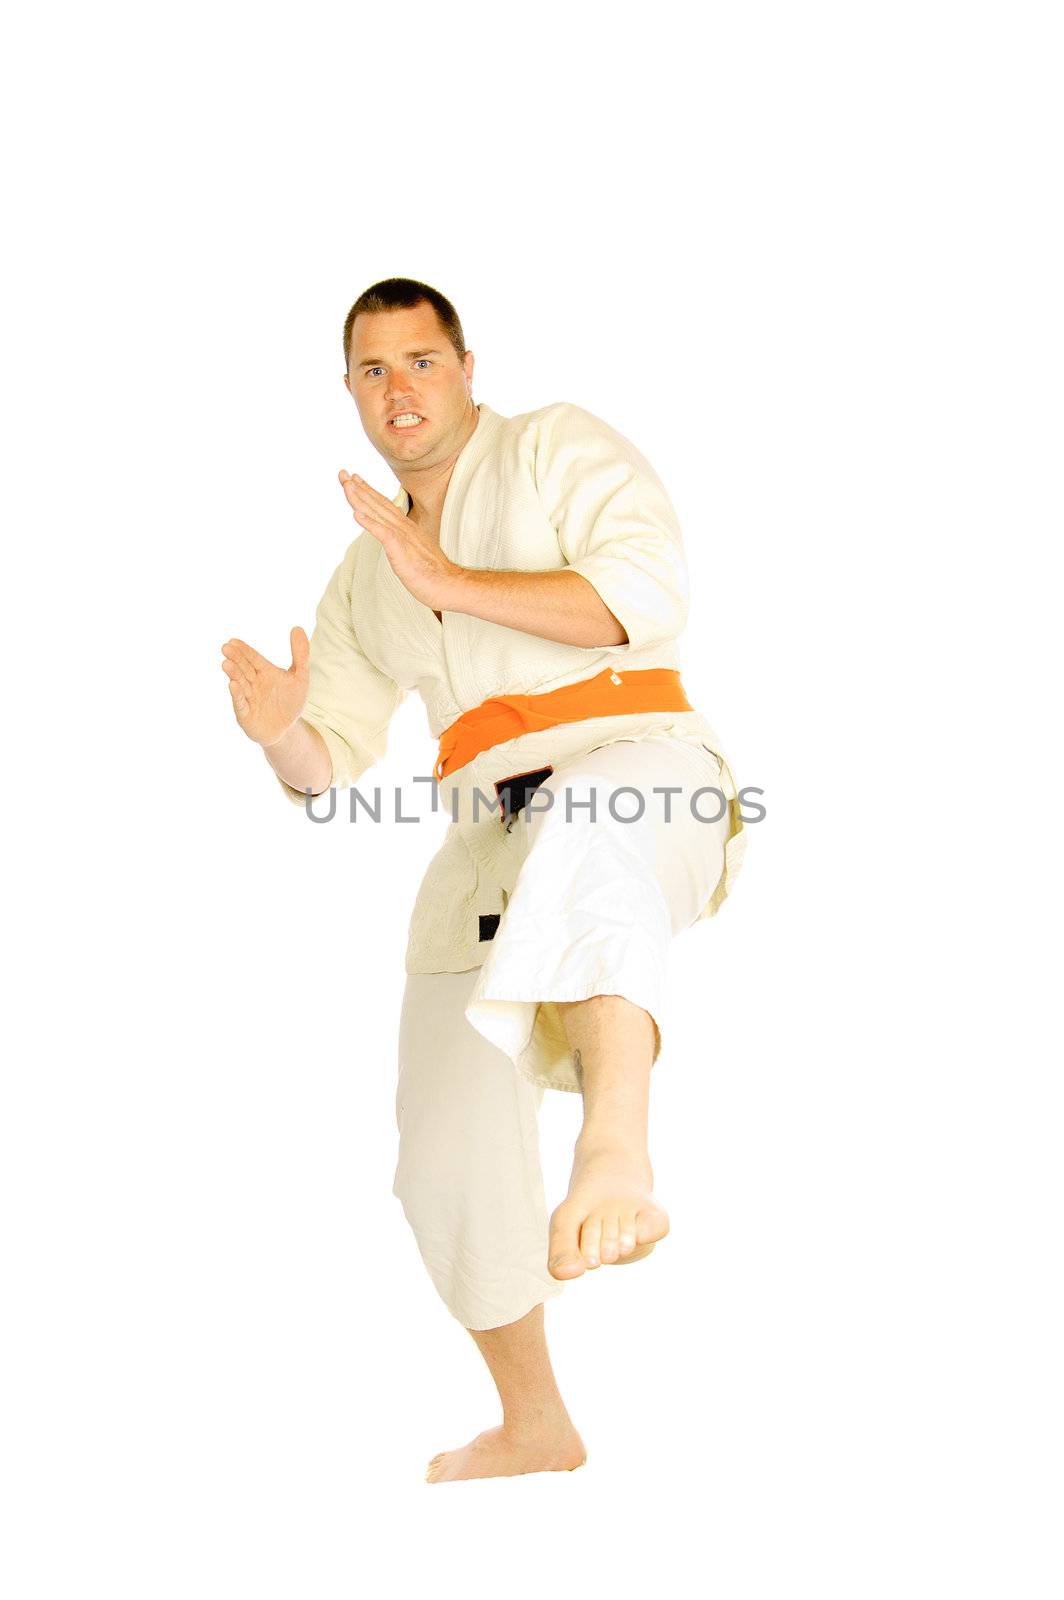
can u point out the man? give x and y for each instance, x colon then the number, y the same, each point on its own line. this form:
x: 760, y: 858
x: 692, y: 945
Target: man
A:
x: 529, y: 581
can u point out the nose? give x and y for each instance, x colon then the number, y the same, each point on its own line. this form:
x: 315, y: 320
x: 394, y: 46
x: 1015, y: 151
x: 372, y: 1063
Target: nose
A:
x: 398, y: 388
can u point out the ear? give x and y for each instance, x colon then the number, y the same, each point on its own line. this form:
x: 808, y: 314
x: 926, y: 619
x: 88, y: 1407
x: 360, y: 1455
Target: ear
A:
x: 467, y: 368
x: 347, y: 386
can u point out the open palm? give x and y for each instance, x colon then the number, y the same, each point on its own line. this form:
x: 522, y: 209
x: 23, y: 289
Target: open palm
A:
x: 267, y: 699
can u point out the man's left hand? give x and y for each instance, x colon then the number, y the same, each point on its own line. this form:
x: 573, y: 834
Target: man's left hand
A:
x: 414, y: 557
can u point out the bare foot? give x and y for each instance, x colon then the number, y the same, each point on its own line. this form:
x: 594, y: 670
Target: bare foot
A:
x: 500, y: 1453
x: 609, y: 1216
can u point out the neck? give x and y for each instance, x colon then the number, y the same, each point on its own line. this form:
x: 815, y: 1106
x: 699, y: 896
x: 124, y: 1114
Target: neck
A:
x: 427, y: 486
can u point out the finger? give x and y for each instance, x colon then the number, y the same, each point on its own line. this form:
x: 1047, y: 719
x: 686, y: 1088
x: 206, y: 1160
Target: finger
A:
x: 367, y: 516
x: 240, y: 679
x: 235, y: 675
x: 240, y: 699
x: 366, y: 519
x: 300, y: 650
x: 361, y: 485
x: 379, y: 501
x: 240, y: 647
x: 364, y: 513
x: 359, y: 493
x: 360, y: 501
x: 246, y: 657
x: 234, y: 651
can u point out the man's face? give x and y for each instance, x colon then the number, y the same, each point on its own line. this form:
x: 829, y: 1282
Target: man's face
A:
x: 401, y: 365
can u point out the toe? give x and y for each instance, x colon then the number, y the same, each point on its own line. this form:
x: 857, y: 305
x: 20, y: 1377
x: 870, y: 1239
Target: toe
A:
x: 591, y: 1239
x: 610, y: 1245
x: 651, y: 1224
x: 626, y: 1234
x: 563, y: 1254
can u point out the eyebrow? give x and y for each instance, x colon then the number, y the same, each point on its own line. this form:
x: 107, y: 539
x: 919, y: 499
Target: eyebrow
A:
x: 412, y: 355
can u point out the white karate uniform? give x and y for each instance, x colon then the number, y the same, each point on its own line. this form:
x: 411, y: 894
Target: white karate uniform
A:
x: 538, y: 909
x: 593, y: 909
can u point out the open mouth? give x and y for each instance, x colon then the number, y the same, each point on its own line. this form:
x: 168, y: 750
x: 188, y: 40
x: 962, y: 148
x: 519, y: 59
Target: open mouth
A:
x: 406, y: 422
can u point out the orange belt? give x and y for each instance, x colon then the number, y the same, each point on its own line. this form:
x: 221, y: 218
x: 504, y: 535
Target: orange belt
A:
x: 608, y: 694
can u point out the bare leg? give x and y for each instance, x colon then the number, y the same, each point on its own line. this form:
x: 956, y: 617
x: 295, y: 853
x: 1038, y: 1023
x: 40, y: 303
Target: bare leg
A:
x: 609, y: 1214
x: 537, y: 1434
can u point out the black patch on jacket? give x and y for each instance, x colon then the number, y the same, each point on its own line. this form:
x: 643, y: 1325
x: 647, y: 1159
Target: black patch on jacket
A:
x: 515, y: 790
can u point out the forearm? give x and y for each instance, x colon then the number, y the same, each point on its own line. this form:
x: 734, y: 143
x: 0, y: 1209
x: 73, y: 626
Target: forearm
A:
x: 301, y: 759
x: 560, y: 605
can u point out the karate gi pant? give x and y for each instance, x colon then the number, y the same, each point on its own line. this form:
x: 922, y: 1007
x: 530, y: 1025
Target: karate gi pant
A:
x: 597, y: 900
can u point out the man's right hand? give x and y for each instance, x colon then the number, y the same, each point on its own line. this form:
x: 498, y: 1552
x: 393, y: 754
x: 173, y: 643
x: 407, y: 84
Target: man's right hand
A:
x: 267, y: 700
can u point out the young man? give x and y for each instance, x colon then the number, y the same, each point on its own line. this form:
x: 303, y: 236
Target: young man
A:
x: 529, y: 581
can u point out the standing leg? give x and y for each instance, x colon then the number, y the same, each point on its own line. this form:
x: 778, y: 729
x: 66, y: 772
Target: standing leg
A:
x: 468, y: 1172
x: 537, y: 1433
x: 469, y: 1179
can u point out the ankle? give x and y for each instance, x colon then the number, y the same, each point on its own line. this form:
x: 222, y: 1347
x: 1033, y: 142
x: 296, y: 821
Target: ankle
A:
x: 595, y: 1143
x: 547, y: 1419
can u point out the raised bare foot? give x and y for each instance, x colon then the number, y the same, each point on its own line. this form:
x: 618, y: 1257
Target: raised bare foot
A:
x: 501, y: 1453
x: 609, y: 1216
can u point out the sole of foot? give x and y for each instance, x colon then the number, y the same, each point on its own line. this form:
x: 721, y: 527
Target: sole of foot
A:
x: 495, y: 1455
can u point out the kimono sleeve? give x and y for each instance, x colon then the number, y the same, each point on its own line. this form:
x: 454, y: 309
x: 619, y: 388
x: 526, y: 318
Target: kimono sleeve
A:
x: 615, y: 524
x: 350, y: 701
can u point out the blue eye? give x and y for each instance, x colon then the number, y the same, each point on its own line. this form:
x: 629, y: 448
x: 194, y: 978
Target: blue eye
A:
x: 422, y: 359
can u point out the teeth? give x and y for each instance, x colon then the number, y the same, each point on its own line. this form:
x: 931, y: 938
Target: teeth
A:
x: 408, y: 419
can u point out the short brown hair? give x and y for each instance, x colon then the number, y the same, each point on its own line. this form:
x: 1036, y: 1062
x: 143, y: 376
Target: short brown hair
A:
x: 401, y: 294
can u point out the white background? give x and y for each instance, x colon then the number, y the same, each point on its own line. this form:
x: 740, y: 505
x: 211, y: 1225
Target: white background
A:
x: 808, y: 259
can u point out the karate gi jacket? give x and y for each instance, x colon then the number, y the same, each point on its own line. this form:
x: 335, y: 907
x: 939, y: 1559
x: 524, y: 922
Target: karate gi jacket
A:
x: 539, y: 492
